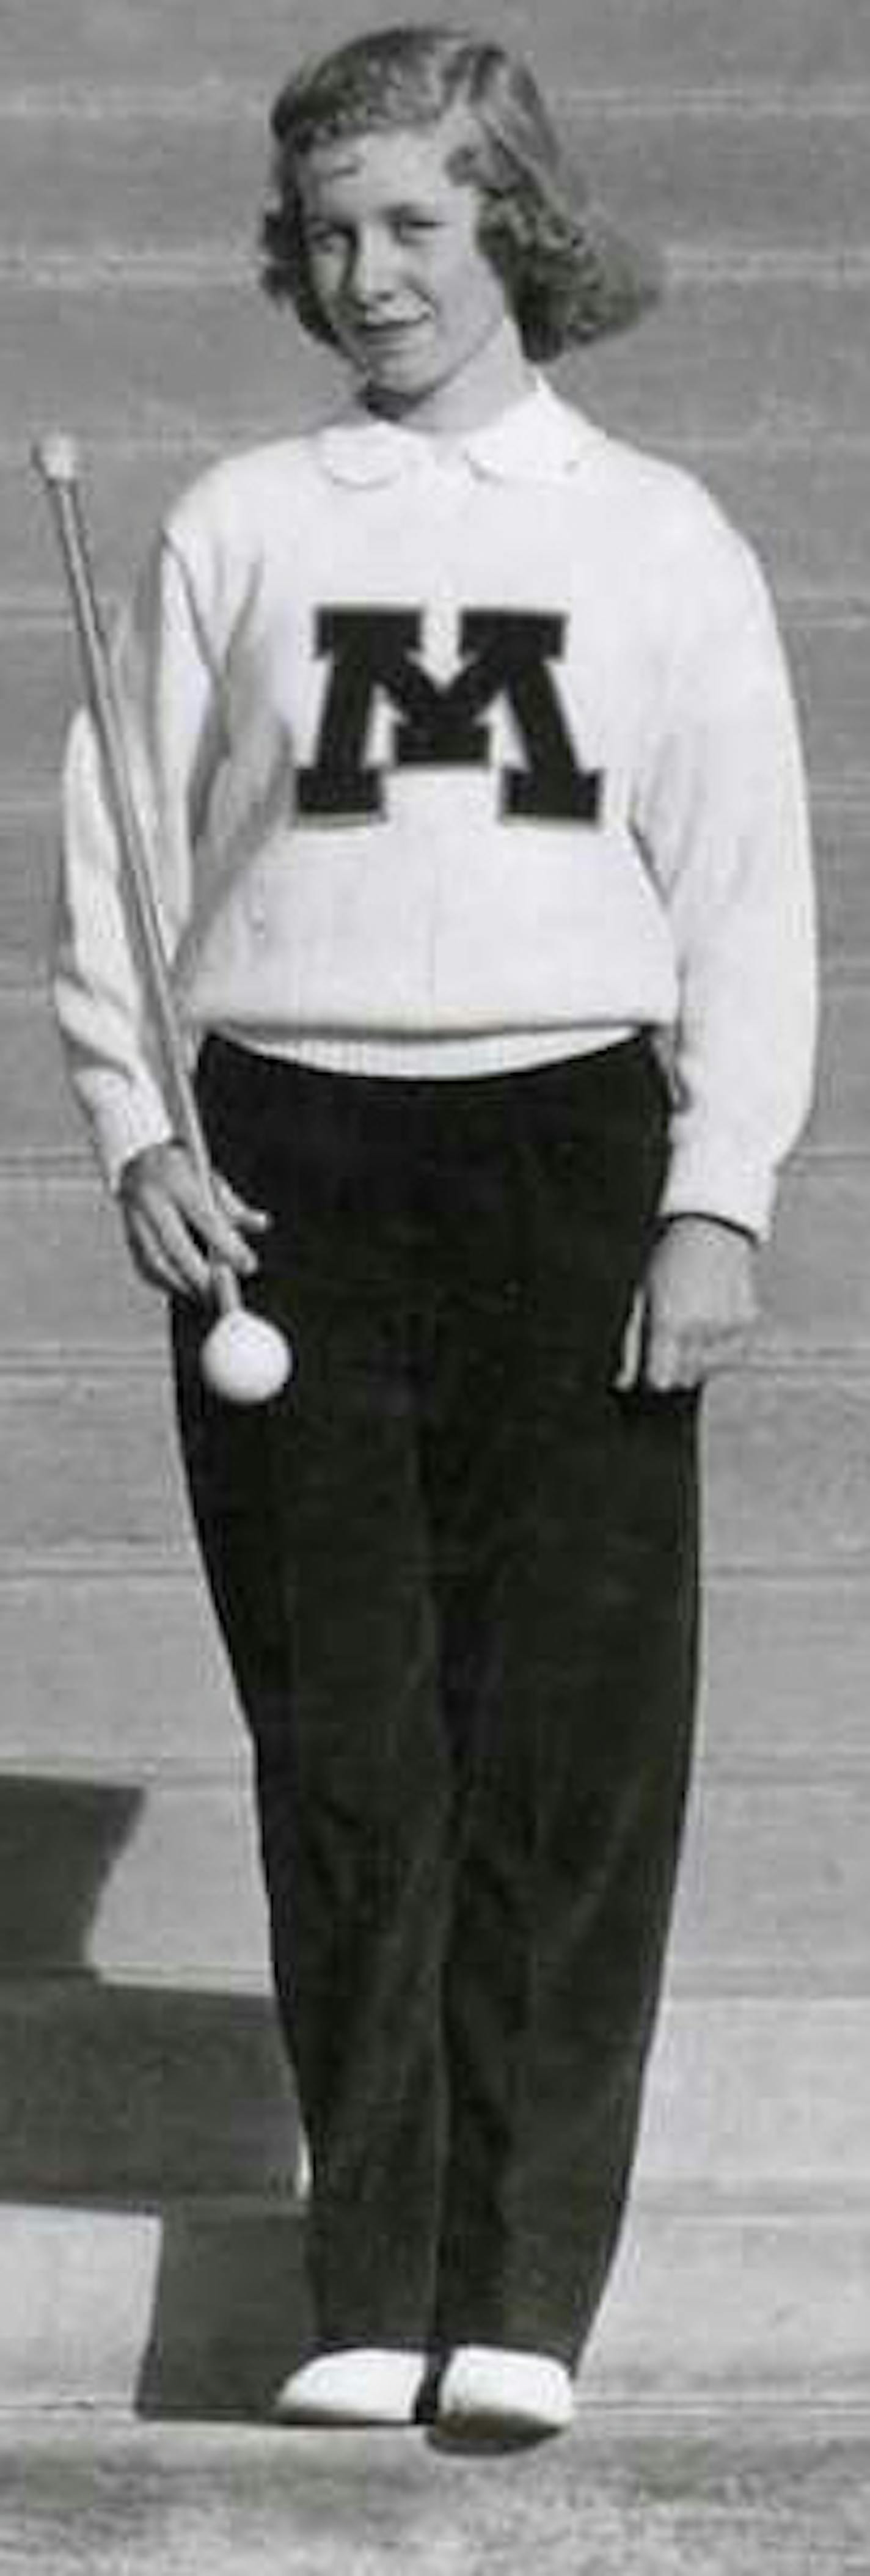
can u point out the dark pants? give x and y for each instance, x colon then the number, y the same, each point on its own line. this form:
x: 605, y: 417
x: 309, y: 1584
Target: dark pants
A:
x: 456, y: 1573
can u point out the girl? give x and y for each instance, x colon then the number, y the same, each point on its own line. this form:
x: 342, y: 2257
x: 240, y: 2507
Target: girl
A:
x: 469, y: 762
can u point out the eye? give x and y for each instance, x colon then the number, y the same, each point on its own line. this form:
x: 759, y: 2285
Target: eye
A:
x: 410, y: 227
x: 324, y: 237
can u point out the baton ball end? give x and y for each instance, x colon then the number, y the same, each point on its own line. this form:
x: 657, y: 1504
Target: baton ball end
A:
x: 57, y: 457
x: 245, y: 1359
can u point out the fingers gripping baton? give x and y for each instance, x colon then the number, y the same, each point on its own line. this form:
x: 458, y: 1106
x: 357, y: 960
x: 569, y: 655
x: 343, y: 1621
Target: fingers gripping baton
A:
x: 244, y: 1358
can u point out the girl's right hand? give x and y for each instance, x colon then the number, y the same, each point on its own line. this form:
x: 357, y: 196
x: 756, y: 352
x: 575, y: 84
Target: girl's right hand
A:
x: 174, y: 1230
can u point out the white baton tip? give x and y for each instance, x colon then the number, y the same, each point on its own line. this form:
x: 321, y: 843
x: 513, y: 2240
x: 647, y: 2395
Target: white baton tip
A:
x: 57, y: 457
x: 245, y: 1359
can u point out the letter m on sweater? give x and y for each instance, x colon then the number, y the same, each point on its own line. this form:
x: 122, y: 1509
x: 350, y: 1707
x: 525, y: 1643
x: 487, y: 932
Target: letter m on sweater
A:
x: 506, y: 655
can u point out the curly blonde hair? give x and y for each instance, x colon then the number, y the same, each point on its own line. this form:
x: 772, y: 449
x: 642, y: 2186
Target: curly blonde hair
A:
x: 567, y: 274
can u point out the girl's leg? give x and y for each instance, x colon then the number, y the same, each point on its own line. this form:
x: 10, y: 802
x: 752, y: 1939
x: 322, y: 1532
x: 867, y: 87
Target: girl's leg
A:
x: 313, y: 1534
x: 572, y: 1832
x: 566, y: 1521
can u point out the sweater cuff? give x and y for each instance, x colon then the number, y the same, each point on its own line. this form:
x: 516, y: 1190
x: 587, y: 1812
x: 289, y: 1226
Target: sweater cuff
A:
x: 122, y: 1124
x: 710, y: 1177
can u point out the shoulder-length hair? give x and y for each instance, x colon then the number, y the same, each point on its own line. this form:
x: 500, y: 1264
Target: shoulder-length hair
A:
x: 568, y: 275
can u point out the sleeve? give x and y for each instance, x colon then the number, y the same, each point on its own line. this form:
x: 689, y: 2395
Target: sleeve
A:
x: 170, y: 710
x: 723, y: 820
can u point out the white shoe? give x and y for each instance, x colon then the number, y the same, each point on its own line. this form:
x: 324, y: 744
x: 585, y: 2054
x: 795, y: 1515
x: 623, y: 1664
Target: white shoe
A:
x: 363, y: 2385
x: 490, y: 2391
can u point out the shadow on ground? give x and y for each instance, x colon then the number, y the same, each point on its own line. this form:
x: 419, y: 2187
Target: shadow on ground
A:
x: 148, y: 2100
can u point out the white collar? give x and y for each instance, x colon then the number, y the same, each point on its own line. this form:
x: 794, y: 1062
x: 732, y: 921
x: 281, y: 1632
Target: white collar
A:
x: 538, y: 439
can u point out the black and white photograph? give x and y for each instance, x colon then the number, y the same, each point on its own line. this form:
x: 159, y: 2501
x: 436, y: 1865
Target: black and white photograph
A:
x: 435, y: 1288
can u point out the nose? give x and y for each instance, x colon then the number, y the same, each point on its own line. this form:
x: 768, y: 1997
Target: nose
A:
x: 372, y: 269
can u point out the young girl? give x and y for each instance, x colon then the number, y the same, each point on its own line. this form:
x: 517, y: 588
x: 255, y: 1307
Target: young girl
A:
x: 463, y: 738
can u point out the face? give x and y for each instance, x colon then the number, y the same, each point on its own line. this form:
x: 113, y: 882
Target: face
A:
x: 394, y: 258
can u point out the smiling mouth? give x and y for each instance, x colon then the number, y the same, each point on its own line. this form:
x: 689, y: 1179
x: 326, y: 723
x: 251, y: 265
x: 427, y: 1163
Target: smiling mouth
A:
x: 384, y: 331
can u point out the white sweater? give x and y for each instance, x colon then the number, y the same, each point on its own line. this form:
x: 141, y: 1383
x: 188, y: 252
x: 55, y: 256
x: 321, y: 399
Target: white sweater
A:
x: 453, y: 759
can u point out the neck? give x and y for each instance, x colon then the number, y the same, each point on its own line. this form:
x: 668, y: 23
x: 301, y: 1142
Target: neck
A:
x: 496, y: 375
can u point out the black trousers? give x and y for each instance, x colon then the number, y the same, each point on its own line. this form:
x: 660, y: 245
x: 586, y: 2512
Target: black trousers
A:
x: 456, y: 1575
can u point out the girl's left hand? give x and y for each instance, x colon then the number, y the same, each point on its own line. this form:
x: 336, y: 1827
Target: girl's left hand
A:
x: 696, y: 1308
